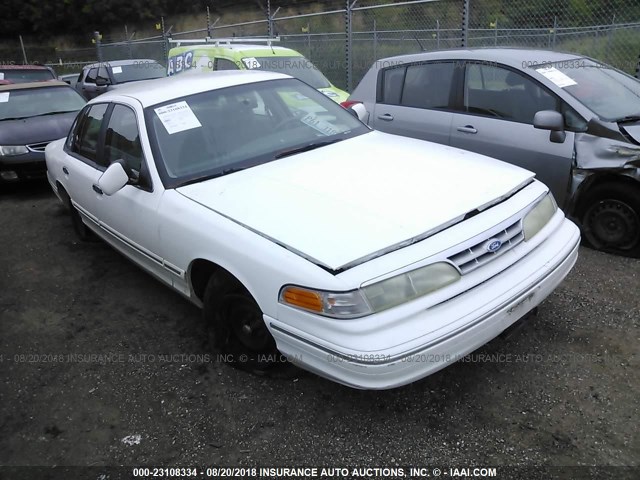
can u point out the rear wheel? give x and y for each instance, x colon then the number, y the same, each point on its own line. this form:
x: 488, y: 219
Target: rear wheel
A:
x: 82, y: 231
x: 611, y: 219
x: 236, y: 326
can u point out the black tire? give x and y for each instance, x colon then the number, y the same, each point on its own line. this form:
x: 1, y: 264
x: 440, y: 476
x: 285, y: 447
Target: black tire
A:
x: 82, y: 231
x: 236, y: 327
x: 611, y: 219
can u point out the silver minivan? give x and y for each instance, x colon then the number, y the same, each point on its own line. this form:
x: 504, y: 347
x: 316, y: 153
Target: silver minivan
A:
x: 572, y: 120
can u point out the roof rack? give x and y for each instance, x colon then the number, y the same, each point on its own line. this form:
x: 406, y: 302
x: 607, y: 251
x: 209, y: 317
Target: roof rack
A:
x: 226, y: 41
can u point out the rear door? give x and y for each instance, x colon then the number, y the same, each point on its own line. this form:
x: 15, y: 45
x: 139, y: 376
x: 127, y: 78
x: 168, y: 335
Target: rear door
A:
x: 497, y: 120
x: 416, y: 100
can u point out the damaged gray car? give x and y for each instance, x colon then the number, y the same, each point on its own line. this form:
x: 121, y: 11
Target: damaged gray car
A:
x: 572, y: 120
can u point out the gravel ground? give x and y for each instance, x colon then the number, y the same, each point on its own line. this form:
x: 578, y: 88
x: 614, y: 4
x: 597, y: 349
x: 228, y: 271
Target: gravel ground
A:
x: 102, y: 365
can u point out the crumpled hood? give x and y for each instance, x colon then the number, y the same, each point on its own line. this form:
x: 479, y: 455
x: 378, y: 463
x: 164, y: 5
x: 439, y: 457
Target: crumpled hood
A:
x: 633, y: 130
x: 368, y: 195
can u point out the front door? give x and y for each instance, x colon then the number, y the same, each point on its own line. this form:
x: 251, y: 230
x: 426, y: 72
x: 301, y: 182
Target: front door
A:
x: 499, y: 106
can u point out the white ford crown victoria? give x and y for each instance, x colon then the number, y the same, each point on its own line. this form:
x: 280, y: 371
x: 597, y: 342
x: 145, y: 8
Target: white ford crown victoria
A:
x: 370, y: 259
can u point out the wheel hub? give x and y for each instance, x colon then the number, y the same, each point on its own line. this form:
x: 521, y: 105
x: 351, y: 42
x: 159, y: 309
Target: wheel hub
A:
x: 613, y: 223
x: 246, y: 321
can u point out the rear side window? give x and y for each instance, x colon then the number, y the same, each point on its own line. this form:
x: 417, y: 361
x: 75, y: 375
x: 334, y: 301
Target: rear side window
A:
x: 426, y: 85
x: 392, y: 85
x: 224, y: 64
x: 86, y: 140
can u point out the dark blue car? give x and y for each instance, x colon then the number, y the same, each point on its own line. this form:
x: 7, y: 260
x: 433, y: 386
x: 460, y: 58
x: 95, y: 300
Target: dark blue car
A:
x: 31, y: 116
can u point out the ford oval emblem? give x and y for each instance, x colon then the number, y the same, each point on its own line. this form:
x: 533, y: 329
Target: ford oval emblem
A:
x: 493, y: 245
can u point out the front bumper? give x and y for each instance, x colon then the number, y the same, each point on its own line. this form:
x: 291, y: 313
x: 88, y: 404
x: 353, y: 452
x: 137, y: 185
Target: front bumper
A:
x: 30, y: 166
x: 476, y: 317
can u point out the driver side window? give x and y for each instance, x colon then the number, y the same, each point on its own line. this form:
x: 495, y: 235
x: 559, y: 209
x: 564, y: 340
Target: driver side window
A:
x: 91, y: 76
x: 122, y: 140
x: 505, y: 94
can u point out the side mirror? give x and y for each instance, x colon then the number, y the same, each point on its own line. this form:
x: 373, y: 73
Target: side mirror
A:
x: 102, y: 82
x: 113, y: 179
x: 553, y: 121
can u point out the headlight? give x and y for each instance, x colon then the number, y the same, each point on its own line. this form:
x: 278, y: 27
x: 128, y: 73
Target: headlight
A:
x: 371, y: 298
x: 11, y: 150
x: 408, y: 286
x: 539, y: 216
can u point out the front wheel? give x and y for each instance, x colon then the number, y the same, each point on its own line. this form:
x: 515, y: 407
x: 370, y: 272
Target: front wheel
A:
x: 611, y: 219
x: 236, y: 326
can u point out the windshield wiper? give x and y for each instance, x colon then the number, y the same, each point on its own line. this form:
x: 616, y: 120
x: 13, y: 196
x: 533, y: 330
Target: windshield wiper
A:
x: 306, y: 148
x: 628, y: 119
x: 34, y: 116
x: 54, y: 113
x: 204, y: 178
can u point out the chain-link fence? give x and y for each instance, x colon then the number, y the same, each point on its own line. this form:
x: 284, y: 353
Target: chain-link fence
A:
x: 606, y: 30
x: 344, y: 37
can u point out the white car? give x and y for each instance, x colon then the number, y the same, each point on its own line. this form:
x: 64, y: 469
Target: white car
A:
x: 371, y: 259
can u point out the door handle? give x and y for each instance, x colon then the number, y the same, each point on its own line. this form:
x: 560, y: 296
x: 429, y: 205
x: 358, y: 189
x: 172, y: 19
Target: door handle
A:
x: 64, y: 169
x: 467, y: 129
x: 386, y: 117
x: 97, y: 189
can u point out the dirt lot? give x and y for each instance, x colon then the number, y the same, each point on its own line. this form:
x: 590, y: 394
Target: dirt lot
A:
x: 102, y: 365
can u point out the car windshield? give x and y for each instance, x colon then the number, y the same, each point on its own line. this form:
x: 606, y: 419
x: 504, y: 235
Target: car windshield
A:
x: 138, y: 70
x: 221, y: 131
x: 298, y: 67
x: 33, y: 102
x: 611, y: 94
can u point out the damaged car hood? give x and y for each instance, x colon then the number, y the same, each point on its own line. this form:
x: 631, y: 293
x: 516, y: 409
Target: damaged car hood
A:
x: 341, y: 204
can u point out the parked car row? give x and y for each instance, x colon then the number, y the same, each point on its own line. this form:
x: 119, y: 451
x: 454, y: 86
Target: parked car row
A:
x: 352, y: 250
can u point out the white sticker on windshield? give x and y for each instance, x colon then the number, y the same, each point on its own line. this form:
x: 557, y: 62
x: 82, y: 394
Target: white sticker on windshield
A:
x: 251, y: 62
x: 4, y: 97
x: 177, y: 117
x: 320, y: 125
x: 1, y: 76
x: 556, y: 76
x: 116, y: 70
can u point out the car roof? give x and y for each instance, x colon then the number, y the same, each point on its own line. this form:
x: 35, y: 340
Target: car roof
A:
x: 24, y: 67
x: 115, y: 63
x: 31, y: 85
x: 242, y: 48
x: 514, y: 56
x: 151, y: 92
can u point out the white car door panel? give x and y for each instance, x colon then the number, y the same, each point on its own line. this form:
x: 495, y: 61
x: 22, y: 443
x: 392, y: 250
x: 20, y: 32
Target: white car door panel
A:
x: 129, y: 216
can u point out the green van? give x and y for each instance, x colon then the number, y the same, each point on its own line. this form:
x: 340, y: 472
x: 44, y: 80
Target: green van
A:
x: 226, y: 55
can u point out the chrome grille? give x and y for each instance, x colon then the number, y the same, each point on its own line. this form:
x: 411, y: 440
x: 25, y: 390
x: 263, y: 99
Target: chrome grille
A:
x: 37, y: 147
x: 477, y: 255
